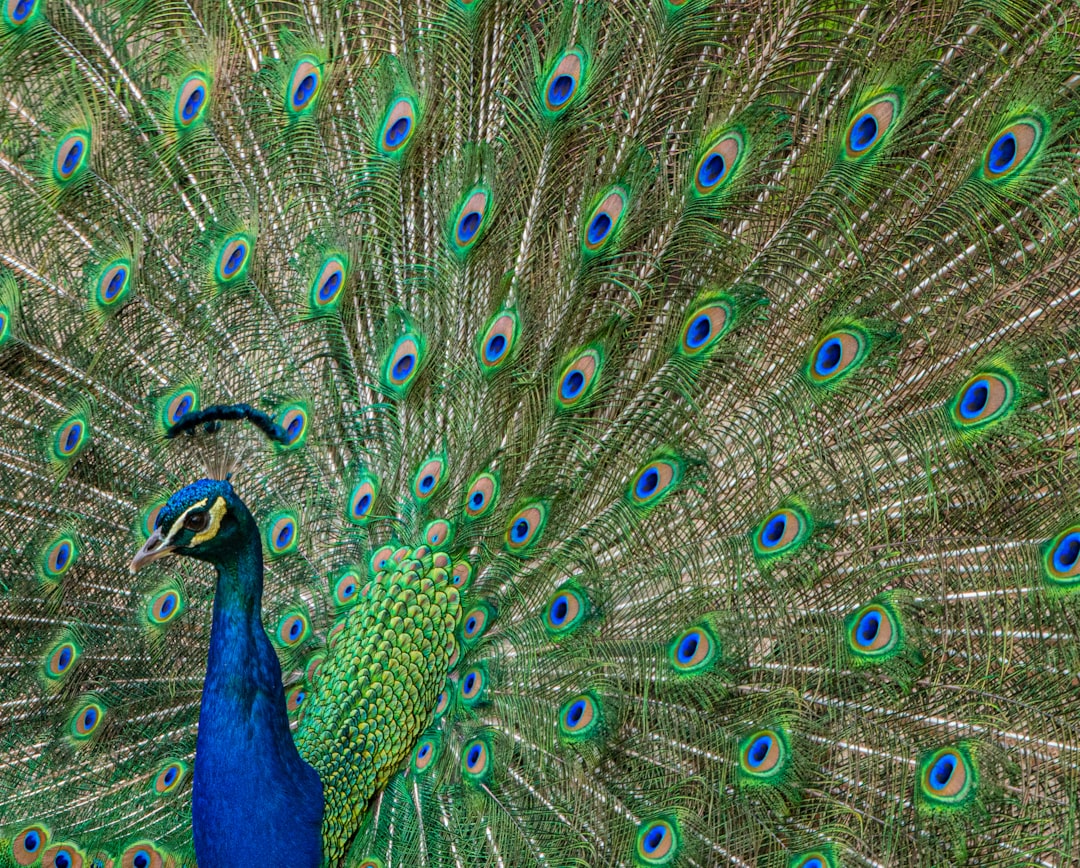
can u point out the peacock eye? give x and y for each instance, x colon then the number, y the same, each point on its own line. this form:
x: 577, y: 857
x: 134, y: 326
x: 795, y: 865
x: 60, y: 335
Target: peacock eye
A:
x: 197, y: 521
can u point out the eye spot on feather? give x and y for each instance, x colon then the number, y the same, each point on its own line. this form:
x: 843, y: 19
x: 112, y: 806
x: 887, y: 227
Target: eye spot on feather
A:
x: 5, y: 325
x: 325, y: 290
x: 578, y: 379
x: 717, y: 165
x: 947, y: 778
x: 164, y: 606
x: 191, y: 101
x: 61, y: 659
x: 426, y: 752
x: 142, y: 855
x: 71, y: 156
x: 346, y: 587
x: 59, y: 557
x: 282, y: 534
x: 233, y: 259
x: 169, y: 778
x: 362, y: 500
x: 782, y: 532
x: 481, y: 495
x: 475, y: 760
x: 496, y: 343
x: 62, y: 856
x: 18, y: 12
x: 1012, y: 148
x: 461, y: 575
x: 87, y: 720
x: 763, y: 756
x: 113, y: 284
x: 471, y: 219
x: 475, y: 623
x: 870, y: 125
x: 428, y: 478
x: 292, y: 630
x: 693, y: 651
x: 294, y: 419
x: 983, y: 400
x: 579, y: 718
x: 471, y: 689
x: 657, y: 842
x: 398, y: 126
x: 71, y: 438
x: 655, y: 481
x: 380, y: 558
x: 1061, y: 559
x: 304, y: 85
x: 526, y: 527
x: 814, y: 859
x: 442, y: 702
x: 295, y: 699
x: 178, y: 405
x: 371, y: 863
x: 604, y: 220
x: 873, y: 631
x: 565, y: 610
x: 563, y: 82
x: 709, y: 321
x: 28, y: 844
x: 836, y: 355
x: 439, y: 533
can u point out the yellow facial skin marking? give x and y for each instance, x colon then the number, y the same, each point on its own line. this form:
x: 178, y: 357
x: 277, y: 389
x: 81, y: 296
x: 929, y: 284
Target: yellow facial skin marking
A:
x: 217, y: 513
x: 179, y: 523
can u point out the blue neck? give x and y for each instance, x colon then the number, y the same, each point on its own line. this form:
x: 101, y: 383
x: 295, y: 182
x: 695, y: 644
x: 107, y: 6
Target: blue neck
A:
x: 254, y: 801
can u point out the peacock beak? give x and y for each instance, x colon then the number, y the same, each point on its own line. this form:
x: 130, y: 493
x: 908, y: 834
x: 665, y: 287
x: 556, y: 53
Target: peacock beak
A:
x: 152, y: 549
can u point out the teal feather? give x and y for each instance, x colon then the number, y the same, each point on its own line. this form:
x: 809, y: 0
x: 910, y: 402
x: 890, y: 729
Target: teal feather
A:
x: 675, y: 415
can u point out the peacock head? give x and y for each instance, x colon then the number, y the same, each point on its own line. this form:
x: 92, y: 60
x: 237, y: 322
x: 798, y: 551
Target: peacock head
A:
x: 205, y: 520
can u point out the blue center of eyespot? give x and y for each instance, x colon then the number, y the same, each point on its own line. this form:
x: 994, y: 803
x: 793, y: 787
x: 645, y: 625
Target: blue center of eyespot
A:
x: 170, y: 776
x: 348, y: 590
x: 300, y: 697
x: 64, y: 658
x: 688, y: 647
x: 22, y: 10
x: 711, y: 171
x: 1002, y: 153
x: 698, y: 331
x: 194, y: 103
x: 470, y: 682
x: 470, y: 625
x: 759, y: 750
x: 863, y: 132
x: 520, y: 530
x: 168, y: 603
x: 403, y: 366
x: 285, y: 535
x: 496, y: 346
x: 62, y: 859
x: 1067, y: 552
x: 141, y: 860
x: 868, y: 628
x: 295, y: 426
x: 647, y: 483
x: 654, y: 838
x: 294, y: 629
x: 427, y: 483
x: 813, y: 863
x: 304, y: 90
x: 73, y: 156
x: 774, y: 530
x: 473, y: 757
x: 362, y: 505
x: 330, y: 286
x: 236, y: 259
x: 561, y: 89
x: 72, y: 439
x: 397, y: 132
x: 599, y: 228
x: 182, y: 407
x: 468, y: 226
x: 115, y: 284
x: 828, y: 356
x: 477, y: 500
x: 974, y: 400
x: 31, y: 842
x: 575, y: 713
x: 559, y: 610
x: 942, y: 772
x: 63, y: 551
x: 424, y: 751
x: 572, y: 385
x: 89, y: 718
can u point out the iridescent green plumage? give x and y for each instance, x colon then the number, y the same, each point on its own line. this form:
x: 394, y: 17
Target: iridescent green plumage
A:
x: 724, y: 356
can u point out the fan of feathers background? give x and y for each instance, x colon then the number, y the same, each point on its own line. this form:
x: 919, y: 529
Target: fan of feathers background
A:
x: 762, y: 316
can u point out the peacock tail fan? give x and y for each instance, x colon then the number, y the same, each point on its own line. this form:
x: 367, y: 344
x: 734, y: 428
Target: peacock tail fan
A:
x: 673, y: 412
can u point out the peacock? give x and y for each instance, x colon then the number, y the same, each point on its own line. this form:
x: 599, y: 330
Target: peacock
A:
x: 560, y: 433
